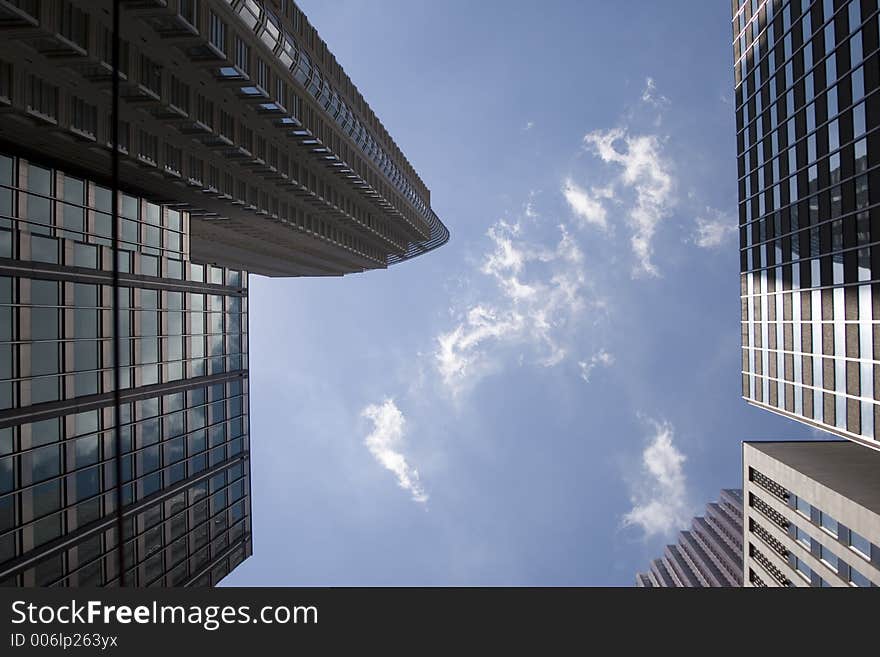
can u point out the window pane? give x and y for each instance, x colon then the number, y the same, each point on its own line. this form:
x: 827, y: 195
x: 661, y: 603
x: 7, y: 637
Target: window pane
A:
x: 45, y: 463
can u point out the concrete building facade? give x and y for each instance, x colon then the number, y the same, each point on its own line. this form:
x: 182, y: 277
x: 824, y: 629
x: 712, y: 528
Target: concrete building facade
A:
x: 812, y: 514
x: 234, y: 111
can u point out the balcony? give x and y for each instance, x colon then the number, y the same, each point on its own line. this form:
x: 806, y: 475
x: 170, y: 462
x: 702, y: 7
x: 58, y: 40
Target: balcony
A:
x: 20, y: 19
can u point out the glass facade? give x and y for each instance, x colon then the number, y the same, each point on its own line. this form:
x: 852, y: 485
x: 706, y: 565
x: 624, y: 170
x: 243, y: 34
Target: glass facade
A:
x: 181, y: 417
x: 807, y: 113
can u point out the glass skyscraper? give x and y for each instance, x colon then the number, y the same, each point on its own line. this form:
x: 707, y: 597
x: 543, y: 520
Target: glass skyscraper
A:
x: 233, y: 143
x: 182, y: 417
x: 807, y: 112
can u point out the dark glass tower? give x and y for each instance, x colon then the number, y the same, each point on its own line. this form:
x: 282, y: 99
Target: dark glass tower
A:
x: 182, y: 416
x: 233, y: 142
x: 807, y: 112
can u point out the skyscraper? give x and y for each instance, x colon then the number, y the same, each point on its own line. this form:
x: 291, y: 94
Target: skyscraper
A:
x: 182, y: 412
x: 235, y: 143
x: 807, y: 112
x: 235, y: 111
x: 707, y: 555
x: 812, y: 514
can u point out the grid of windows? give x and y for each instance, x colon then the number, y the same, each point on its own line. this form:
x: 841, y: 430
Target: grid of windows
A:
x: 807, y: 115
x: 830, y: 546
x: 51, y: 204
x: 183, y: 417
x: 58, y: 480
x: 57, y: 333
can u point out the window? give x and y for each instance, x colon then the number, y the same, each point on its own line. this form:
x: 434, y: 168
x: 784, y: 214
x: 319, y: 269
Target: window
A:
x: 828, y: 523
x: 73, y: 214
x: 802, y: 506
x: 857, y: 579
x: 105, y: 50
x: 858, y: 117
x: 217, y: 32
x: 262, y: 74
x: 858, y: 83
x: 855, y: 45
x: 242, y: 55
x: 83, y: 117
x: 280, y: 91
x: 860, y: 544
x: 148, y: 147
x: 196, y: 171
x: 47, y: 498
x: 246, y: 138
x: 802, y: 537
x: 124, y: 135
x: 803, y: 569
x: 39, y: 203
x: 43, y: 97
x: 73, y: 23
x: 829, y: 558
x: 179, y: 94
x: 172, y: 162
x: 189, y: 11
x: 227, y: 125
x: 87, y: 451
x: 6, y: 82
x: 151, y: 75
x: 7, y: 476
x: 204, y: 110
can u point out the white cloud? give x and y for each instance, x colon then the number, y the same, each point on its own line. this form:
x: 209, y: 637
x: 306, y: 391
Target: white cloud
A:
x: 587, y: 205
x: 529, y: 126
x: 650, y: 95
x: 540, y: 296
x: 601, y: 357
x: 660, y: 504
x: 713, y: 230
x: 647, y: 173
x: 530, y: 211
x: 384, y: 443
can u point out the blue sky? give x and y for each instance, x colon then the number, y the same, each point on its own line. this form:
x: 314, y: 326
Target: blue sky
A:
x: 549, y: 397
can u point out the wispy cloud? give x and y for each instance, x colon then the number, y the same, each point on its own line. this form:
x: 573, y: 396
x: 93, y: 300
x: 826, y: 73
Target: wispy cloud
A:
x: 384, y: 443
x: 588, y: 206
x: 529, y: 126
x: 638, y: 188
x: 539, y: 293
x: 651, y: 96
x: 529, y: 210
x: 648, y: 175
x: 713, y: 229
x: 601, y: 357
x: 659, y: 497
